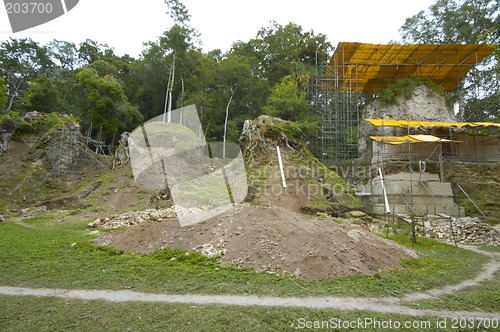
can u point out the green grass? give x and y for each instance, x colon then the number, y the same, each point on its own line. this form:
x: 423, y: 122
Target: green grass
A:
x: 484, y: 297
x: 22, y: 185
x: 54, y: 314
x: 46, y: 251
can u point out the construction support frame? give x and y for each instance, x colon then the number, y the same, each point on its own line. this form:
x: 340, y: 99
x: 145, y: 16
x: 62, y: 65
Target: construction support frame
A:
x: 357, y: 72
x: 338, y: 110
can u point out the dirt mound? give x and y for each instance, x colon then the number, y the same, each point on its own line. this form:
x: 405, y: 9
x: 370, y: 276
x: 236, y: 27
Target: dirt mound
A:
x: 272, y: 239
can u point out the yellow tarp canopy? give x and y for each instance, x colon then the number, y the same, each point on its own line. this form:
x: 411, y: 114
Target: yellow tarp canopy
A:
x: 431, y: 124
x: 409, y: 139
x: 370, y: 68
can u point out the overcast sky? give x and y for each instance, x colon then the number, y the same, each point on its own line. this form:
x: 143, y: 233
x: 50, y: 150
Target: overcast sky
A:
x: 125, y: 24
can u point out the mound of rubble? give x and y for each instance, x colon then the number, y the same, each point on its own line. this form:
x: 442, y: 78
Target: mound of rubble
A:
x: 263, y: 238
x: 466, y: 230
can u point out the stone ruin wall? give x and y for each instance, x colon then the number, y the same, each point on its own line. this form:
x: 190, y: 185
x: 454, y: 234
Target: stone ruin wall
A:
x: 424, y: 105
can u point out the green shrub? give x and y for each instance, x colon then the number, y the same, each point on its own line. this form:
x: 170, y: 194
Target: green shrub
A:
x: 405, y: 87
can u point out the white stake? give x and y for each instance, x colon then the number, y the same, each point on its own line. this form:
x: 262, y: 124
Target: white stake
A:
x: 281, y: 167
x: 384, y: 191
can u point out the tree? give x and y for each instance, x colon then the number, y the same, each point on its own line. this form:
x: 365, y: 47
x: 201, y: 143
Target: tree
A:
x: 453, y: 21
x: 233, y: 72
x: 459, y: 22
x: 21, y: 60
x: 279, y: 48
x: 44, y: 96
x: 64, y: 54
x: 287, y: 102
x: 232, y: 80
x: 90, y: 51
x: 152, y: 71
x: 104, y: 104
x: 178, y: 12
x: 277, y: 53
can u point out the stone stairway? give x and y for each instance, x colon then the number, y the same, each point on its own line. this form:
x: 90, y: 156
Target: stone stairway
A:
x: 407, y: 193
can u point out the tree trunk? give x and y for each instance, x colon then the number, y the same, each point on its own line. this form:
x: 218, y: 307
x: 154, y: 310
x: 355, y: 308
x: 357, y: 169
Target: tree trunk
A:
x: 461, y: 104
x: 225, y: 122
x: 7, y: 129
x: 11, y: 99
x: 9, y: 106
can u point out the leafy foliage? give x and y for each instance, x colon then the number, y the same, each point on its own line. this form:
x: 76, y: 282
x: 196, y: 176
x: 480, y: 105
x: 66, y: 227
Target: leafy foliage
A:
x: 286, y: 102
x: 12, y: 116
x: 280, y: 48
x: 104, y: 102
x: 44, y: 96
x: 454, y: 21
x: 404, y: 87
x: 178, y: 11
x: 115, y: 93
x: 21, y: 60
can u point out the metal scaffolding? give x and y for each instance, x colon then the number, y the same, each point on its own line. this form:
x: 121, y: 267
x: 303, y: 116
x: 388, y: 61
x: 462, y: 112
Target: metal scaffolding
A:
x: 339, y: 111
x: 357, y: 71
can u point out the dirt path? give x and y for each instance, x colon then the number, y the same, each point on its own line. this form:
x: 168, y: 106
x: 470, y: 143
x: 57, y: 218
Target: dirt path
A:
x: 390, y: 305
x: 338, y: 303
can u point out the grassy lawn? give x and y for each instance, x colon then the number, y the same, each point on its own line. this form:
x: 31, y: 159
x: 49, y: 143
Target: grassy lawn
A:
x: 47, y: 251
x: 484, y: 297
x: 53, y: 314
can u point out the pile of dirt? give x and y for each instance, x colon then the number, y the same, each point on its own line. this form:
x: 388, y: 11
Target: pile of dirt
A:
x: 269, y: 239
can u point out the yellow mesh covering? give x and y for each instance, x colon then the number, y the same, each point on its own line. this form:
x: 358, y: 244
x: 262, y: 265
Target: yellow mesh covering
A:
x: 370, y: 68
x: 431, y: 124
x: 409, y: 139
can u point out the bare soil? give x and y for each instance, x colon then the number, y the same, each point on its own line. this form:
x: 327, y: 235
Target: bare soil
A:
x: 272, y: 239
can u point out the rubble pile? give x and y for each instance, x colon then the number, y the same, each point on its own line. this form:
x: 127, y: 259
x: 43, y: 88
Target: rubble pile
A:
x: 271, y: 239
x: 468, y: 230
x: 128, y: 219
